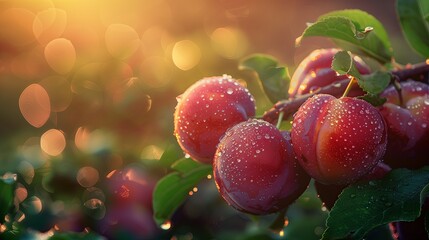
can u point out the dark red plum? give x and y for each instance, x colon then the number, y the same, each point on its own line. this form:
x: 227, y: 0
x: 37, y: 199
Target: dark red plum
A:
x: 206, y: 110
x: 337, y: 141
x: 315, y: 72
x: 408, y: 125
x: 256, y: 170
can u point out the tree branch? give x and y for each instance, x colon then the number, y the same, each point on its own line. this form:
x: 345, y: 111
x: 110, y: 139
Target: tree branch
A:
x: 418, y: 72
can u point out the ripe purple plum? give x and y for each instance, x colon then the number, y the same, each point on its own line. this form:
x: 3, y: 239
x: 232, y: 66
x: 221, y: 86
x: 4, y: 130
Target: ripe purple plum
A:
x: 408, y: 124
x: 206, y: 110
x: 338, y: 140
x: 256, y: 170
x: 315, y: 72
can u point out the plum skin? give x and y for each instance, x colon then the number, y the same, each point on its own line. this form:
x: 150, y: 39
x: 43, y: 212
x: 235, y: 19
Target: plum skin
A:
x: 255, y: 168
x: 328, y: 194
x: 337, y: 141
x: 206, y: 110
x: 408, y: 125
x: 315, y: 72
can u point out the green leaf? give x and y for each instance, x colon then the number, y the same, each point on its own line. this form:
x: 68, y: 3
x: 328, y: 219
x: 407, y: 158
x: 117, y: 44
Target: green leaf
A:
x: 171, y: 154
x: 364, y: 206
x: 172, y: 190
x: 375, y: 82
x: 274, y: 78
x: 6, y: 198
x: 375, y: 100
x: 413, y: 25
x: 354, y: 27
x: 424, y: 9
x: 343, y: 64
x: 185, y: 165
x: 73, y: 235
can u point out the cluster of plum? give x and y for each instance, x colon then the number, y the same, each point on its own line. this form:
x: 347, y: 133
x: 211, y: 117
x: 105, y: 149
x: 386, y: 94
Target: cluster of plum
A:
x: 337, y: 141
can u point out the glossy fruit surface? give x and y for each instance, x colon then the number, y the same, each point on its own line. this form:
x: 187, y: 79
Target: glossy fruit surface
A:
x: 206, y: 110
x: 337, y: 141
x: 315, y: 72
x: 255, y: 168
x: 408, y: 124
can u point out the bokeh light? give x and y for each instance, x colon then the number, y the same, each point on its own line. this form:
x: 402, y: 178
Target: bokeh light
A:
x: 88, y: 91
x: 93, y: 141
x: 33, y: 205
x: 60, y: 55
x: 21, y: 193
x: 26, y: 170
x: 151, y: 152
x: 87, y: 176
x: 49, y: 24
x: 156, y: 72
x: 186, y: 54
x: 121, y: 40
x: 35, y: 105
x: 229, y: 42
x: 53, y: 142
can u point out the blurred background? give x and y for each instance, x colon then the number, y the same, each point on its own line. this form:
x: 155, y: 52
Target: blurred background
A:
x: 87, y: 95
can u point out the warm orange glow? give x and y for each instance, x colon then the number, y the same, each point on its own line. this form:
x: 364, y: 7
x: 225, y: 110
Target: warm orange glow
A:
x: 35, y: 105
x: 134, y: 175
x: 20, y: 193
x: 121, y: 40
x: 53, y: 142
x: 186, y: 54
x: 81, y: 138
x: 29, y: 64
x: 156, y: 70
x: 92, y: 141
x: 49, y: 24
x: 229, y: 43
x: 87, y: 176
x: 60, y: 55
x: 166, y: 225
x: 16, y: 26
x: 151, y: 152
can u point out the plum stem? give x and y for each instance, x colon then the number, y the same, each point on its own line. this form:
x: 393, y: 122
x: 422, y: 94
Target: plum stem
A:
x: 288, y: 107
x: 280, y: 119
x: 398, y: 89
x: 349, y: 86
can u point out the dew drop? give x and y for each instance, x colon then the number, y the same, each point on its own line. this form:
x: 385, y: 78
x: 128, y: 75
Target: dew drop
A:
x: 229, y: 91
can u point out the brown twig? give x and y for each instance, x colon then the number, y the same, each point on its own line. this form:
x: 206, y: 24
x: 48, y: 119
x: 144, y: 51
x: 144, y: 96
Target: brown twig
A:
x: 418, y: 72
